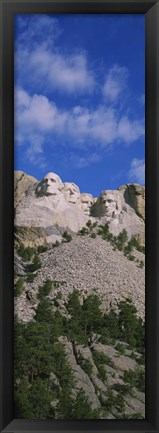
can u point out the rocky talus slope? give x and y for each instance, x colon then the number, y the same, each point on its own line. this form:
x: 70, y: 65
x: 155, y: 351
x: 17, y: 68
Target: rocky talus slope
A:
x: 90, y: 266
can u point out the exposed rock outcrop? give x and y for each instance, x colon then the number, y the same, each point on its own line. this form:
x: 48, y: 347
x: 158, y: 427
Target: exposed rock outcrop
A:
x: 134, y: 195
x: 51, y: 202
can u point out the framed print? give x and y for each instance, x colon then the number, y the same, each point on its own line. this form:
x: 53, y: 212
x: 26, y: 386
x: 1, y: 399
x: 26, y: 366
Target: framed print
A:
x: 79, y: 216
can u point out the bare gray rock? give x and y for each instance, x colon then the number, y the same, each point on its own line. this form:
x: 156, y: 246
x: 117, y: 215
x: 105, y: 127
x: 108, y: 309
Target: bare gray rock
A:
x: 82, y: 379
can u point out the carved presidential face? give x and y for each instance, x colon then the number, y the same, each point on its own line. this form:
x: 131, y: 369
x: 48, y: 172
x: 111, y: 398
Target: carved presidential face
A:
x: 86, y: 201
x: 71, y: 192
x: 110, y: 202
x: 51, y: 184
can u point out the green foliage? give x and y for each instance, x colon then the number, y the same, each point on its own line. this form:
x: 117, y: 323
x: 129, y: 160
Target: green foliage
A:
x: 80, y: 408
x: 117, y: 241
x: 84, y: 231
x: 122, y: 389
x: 26, y: 252
x: 57, y: 283
x: 65, y: 405
x: 73, y: 304
x: 93, y: 235
x: 105, y: 230
x: 113, y: 402
x: 45, y: 289
x: 75, y: 329
x: 31, y: 277
x: 131, y: 257
x: 131, y: 327
x: 102, y: 373
x: 36, y: 355
x: 111, y: 325
x: 86, y: 365
x: 35, y: 265
x: 99, y: 232
x: 59, y: 295
x: 42, y: 249
x: 128, y: 249
x: 121, y: 240
x: 66, y: 236
x: 18, y: 287
x: 84, y: 318
x: 121, y: 349
x: 141, y: 359
x: 133, y: 243
x: 88, y: 318
x: 135, y: 378
x: 44, y: 311
x: 137, y: 245
x: 56, y: 244
x: 89, y: 224
x: 59, y: 325
x: 33, y: 402
x: 33, y: 355
x: 91, y: 314
x: 100, y: 358
x: 141, y: 265
x: 94, y: 224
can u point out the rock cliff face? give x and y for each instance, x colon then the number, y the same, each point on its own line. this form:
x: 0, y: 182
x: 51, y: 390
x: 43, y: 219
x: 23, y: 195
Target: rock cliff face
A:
x: 135, y: 196
x: 23, y: 183
x: 51, y: 203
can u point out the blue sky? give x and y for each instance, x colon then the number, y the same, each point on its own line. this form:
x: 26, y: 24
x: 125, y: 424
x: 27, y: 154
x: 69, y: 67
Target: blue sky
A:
x: 79, y: 98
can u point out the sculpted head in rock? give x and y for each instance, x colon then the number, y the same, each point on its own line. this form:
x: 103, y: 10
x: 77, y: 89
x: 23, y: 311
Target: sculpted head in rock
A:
x: 108, y: 204
x: 51, y: 184
x: 112, y: 202
x: 86, y: 200
x: 71, y: 192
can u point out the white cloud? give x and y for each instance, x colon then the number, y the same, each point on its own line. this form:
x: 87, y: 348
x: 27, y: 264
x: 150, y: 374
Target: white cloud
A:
x: 34, y: 152
x: 35, y: 30
x: 137, y: 171
x: 36, y: 114
x: 83, y: 161
x: 71, y: 73
x: 43, y: 67
x: 40, y: 63
x: 37, y: 119
x: 99, y: 125
x: 22, y: 99
x: 115, y: 83
x: 130, y: 130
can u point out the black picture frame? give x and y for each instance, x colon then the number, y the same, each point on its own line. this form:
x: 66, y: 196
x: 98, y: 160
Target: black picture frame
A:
x: 150, y: 8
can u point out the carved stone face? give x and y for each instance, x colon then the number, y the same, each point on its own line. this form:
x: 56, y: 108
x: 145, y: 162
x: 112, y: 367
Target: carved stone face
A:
x: 86, y: 201
x: 110, y: 202
x: 51, y: 184
x: 71, y: 192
